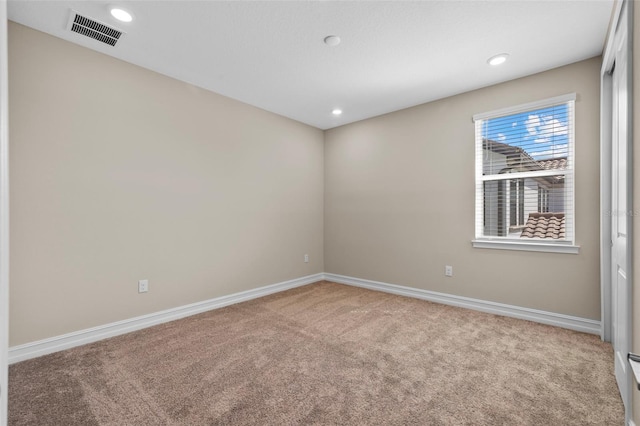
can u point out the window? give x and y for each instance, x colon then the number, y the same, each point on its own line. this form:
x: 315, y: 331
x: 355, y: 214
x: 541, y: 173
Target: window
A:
x: 516, y: 204
x: 543, y: 200
x: 524, y: 177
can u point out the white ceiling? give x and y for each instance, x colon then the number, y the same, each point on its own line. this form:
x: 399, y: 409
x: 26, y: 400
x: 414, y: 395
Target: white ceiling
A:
x: 393, y: 55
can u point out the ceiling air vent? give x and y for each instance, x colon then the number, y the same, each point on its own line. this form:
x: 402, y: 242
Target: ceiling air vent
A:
x: 94, y: 29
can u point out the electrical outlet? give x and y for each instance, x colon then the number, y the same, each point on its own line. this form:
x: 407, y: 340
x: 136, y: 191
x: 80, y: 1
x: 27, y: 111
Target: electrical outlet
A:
x: 306, y: 258
x: 143, y: 286
x: 448, y: 271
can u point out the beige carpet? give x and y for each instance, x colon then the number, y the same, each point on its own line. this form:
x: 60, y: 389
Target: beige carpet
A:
x: 326, y: 354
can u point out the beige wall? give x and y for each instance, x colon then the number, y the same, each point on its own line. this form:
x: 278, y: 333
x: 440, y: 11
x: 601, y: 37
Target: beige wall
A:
x: 399, y: 200
x: 120, y: 174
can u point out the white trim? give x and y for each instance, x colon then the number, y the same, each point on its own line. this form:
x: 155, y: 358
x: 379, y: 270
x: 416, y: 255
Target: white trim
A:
x: 570, y: 181
x: 631, y: 423
x: 525, y: 175
x: 606, y: 182
x: 525, y: 107
x: 606, y: 114
x: 479, y: 186
x: 81, y: 337
x: 630, y: 5
x: 606, y: 90
x: 526, y: 246
x: 608, y: 54
x: 4, y: 212
x: 550, y: 318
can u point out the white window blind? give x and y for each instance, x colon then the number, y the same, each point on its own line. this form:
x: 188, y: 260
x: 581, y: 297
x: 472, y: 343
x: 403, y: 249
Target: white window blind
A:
x: 525, y: 173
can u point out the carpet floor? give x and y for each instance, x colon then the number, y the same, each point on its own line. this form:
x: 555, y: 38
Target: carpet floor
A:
x: 325, y: 353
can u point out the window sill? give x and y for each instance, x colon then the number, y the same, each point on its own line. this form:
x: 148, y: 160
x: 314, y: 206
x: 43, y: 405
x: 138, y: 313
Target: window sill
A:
x: 526, y: 246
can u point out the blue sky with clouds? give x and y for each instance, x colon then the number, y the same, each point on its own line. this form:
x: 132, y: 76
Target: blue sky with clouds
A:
x: 542, y: 133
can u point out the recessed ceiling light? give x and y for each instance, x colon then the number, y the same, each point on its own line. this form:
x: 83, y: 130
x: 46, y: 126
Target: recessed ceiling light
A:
x: 332, y: 40
x: 120, y: 14
x: 498, y: 59
x: 336, y: 111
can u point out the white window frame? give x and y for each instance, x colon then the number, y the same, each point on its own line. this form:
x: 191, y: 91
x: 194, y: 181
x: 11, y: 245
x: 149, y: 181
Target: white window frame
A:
x: 504, y: 243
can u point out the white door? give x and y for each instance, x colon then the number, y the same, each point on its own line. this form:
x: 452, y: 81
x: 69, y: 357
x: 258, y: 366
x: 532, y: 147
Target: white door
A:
x: 620, y: 280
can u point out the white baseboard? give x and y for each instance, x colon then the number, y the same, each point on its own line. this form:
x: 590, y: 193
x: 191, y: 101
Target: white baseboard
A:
x: 559, y: 320
x: 82, y: 337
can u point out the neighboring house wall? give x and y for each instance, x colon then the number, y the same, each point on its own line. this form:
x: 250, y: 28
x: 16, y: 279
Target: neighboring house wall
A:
x: 399, y: 200
x: 492, y: 223
x: 119, y: 174
x: 493, y: 163
x: 508, y: 203
x: 557, y: 200
x: 531, y: 190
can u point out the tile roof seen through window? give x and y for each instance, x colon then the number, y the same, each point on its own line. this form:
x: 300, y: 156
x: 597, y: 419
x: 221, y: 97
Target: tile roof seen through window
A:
x: 554, y: 164
x: 544, y: 225
x: 519, y: 159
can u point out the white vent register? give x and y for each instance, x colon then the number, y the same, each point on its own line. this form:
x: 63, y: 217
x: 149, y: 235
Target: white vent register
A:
x: 91, y: 28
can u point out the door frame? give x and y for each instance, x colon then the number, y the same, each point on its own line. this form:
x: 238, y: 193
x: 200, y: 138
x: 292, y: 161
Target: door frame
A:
x: 4, y: 213
x: 606, y: 213
x: 606, y: 97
